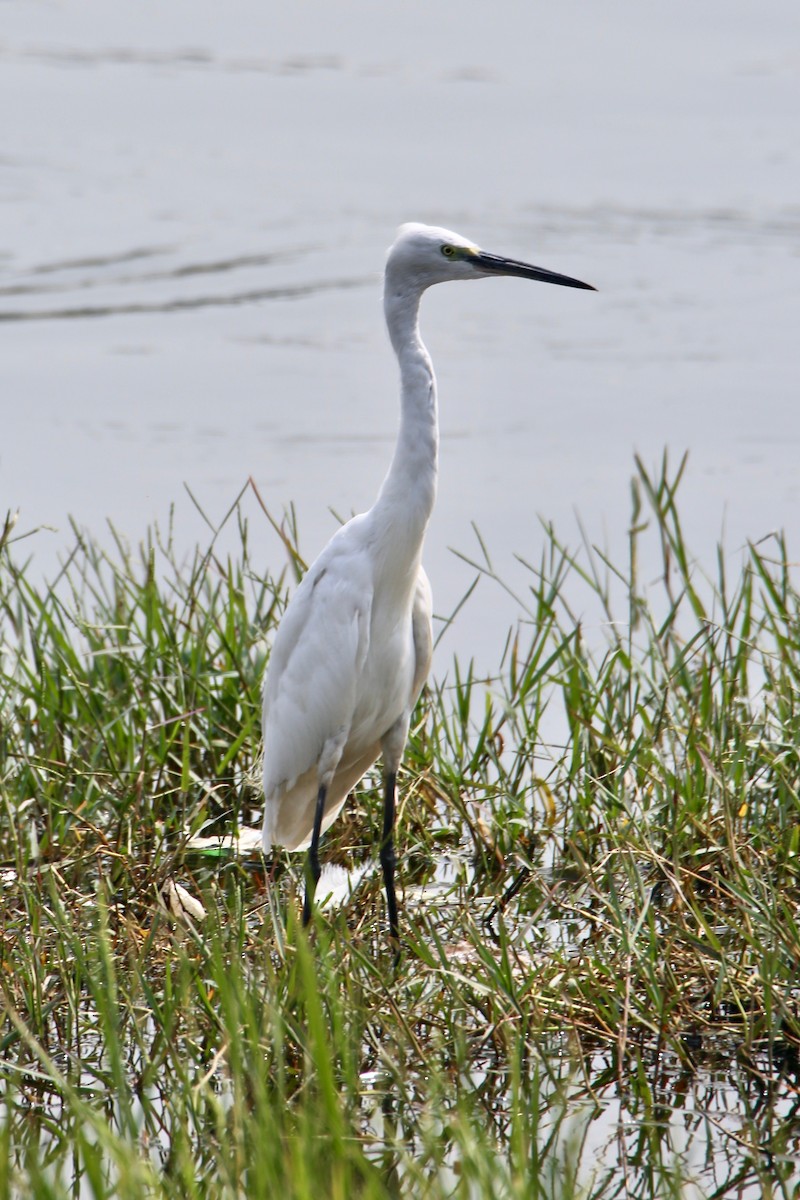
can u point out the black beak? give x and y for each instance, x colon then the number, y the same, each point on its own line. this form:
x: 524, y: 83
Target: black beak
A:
x: 495, y: 264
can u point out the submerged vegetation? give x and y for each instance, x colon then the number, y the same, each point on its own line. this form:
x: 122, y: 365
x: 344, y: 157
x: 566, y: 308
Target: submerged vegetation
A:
x: 598, y: 994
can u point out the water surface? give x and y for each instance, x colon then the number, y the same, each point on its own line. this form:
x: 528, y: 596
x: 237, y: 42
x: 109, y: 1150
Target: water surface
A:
x: 194, y: 208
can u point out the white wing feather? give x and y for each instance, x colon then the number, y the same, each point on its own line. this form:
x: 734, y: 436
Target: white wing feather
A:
x: 322, y: 641
x: 342, y: 671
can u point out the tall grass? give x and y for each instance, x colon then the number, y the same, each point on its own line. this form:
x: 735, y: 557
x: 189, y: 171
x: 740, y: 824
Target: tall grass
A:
x: 598, y: 989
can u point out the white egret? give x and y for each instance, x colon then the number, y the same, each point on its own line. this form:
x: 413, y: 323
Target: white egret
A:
x: 354, y: 646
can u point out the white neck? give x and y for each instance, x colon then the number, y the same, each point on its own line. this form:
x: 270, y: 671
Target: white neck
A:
x: 405, y: 502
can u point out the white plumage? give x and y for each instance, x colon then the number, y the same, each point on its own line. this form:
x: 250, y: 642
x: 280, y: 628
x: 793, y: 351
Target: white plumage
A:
x: 354, y: 646
x: 342, y: 671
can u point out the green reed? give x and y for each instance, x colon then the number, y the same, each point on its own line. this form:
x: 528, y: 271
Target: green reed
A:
x: 651, y: 943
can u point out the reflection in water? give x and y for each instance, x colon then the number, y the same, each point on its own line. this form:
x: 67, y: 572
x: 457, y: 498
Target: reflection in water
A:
x: 571, y: 1122
x: 648, y: 1126
x: 706, y: 1119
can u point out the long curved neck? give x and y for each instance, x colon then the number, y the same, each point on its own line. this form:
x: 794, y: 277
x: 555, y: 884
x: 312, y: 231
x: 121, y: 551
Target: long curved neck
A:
x: 405, y: 501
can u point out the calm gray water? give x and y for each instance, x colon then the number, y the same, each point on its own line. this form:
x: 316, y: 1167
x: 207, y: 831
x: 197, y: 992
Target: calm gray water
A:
x: 195, y: 202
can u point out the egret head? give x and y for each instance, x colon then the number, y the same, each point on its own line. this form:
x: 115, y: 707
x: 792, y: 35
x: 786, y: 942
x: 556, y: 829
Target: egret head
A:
x: 426, y: 254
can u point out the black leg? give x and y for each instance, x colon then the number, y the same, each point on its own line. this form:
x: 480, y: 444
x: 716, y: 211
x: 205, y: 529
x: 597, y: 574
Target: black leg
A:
x: 312, y: 862
x: 388, y: 860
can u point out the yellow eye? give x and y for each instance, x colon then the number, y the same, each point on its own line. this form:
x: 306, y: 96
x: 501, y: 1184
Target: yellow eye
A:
x: 449, y: 251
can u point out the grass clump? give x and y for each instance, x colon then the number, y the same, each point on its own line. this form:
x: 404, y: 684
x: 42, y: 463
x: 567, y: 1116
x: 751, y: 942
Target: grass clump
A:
x: 598, y: 992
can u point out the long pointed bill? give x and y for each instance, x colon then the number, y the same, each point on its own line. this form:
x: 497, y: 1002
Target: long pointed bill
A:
x: 495, y: 264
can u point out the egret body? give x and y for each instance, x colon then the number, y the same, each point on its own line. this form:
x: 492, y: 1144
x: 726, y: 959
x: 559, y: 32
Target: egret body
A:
x: 354, y: 646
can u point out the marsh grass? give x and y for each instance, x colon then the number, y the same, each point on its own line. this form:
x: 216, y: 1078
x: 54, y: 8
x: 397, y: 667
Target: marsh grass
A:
x: 598, y: 994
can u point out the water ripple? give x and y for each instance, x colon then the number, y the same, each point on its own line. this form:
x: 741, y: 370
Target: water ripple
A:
x: 185, y: 303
